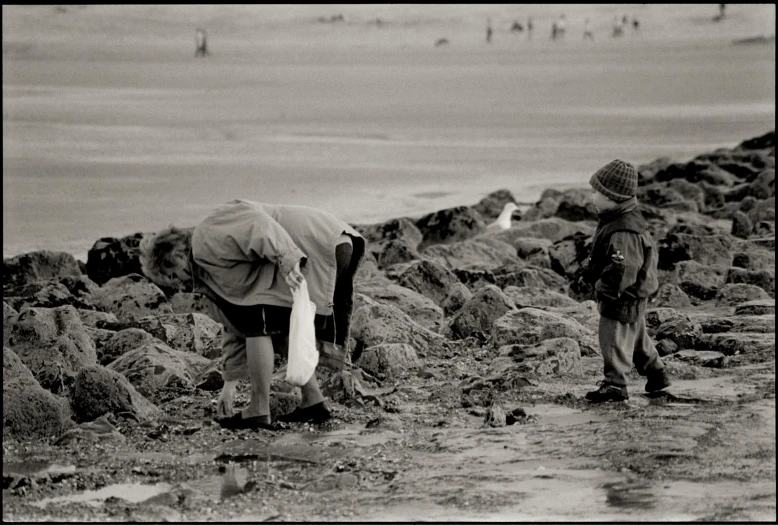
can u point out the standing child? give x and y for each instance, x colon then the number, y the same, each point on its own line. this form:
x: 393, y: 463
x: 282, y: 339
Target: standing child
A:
x: 622, y: 269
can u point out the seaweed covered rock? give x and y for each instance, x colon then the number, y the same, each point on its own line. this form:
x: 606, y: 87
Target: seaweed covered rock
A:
x: 122, y: 342
x: 683, y: 332
x: 155, y: 369
x: 699, y: 281
x: 192, y: 332
x: 734, y: 294
x: 476, y: 317
x: 671, y: 296
x: 764, y: 279
x: 420, y: 308
x: 575, y: 205
x: 112, y: 257
x: 54, y: 345
x: 570, y: 253
x: 553, y: 229
x: 556, y: 356
x: 38, y: 266
x: 483, y: 253
x: 449, y: 225
x: 457, y: 296
x: 98, y: 391
x: 429, y: 278
x: 524, y: 296
x: 534, y: 278
x: 131, y: 297
x: 492, y: 205
x: 30, y: 411
x: 389, y: 360
x: 756, y: 307
x: 402, y: 229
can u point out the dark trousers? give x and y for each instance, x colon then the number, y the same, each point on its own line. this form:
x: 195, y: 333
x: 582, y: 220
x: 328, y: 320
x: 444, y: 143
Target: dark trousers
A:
x: 625, y: 344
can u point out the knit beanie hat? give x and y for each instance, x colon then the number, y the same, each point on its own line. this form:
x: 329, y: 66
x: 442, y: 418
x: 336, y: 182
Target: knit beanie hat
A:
x: 617, y: 180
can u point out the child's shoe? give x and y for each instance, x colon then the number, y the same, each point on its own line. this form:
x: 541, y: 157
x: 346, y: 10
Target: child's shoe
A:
x: 657, y: 381
x: 608, y: 392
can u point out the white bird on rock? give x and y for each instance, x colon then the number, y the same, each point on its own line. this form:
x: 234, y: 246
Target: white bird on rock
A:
x: 503, y: 222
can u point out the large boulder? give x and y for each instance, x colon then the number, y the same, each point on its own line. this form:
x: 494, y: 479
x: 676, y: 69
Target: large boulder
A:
x: 389, y: 360
x: 570, y: 253
x: 527, y: 247
x: 54, y: 345
x: 483, y: 253
x: 449, y: 225
x: 532, y: 277
x: 685, y: 333
x: 576, y: 204
x: 492, y: 205
x: 38, y: 266
x: 478, y: 314
x: 553, y: 229
x: 699, y: 281
x: 758, y: 324
x: 741, y: 225
x: 98, y: 391
x: 122, y: 342
x: 764, y: 279
x: 458, y: 296
x: 429, y: 278
x: 191, y: 303
x: 375, y: 324
x: 735, y: 294
x: 42, y: 294
x: 655, y: 317
x: 557, y: 356
x: 531, y: 326
x: 420, y: 308
x: 29, y: 411
x: 524, y: 296
x: 402, y: 229
x: 112, y: 257
x: 735, y: 343
x: 9, y: 318
x: 96, y: 318
x: 393, y: 251
x: 672, y: 296
x: 192, y: 332
x: 474, y: 280
x: 756, y: 307
x: 710, y: 250
x: 130, y: 298
x: 155, y: 369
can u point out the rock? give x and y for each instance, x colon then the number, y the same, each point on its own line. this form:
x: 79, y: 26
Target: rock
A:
x: 38, y: 266
x: 156, y: 368
x: 655, y: 317
x: 531, y: 326
x: 576, y: 205
x: 42, y: 294
x: 683, y: 332
x: 754, y: 260
x: 112, y: 257
x: 729, y: 343
x: 9, y: 318
x: 421, y: 309
x: 764, y: 279
x: 584, y: 312
x: 122, y: 342
x: 734, y: 294
x: 757, y: 307
x: 533, y: 278
x: 495, y: 415
x: 741, y: 225
x: 53, y: 344
x: 570, y: 253
x: 764, y: 229
x: 98, y: 391
x: 130, y: 298
x: 99, y: 337
x: 393, y: 251
x: 343, y: 388
x: 763, y: 210
x: 758, y: 324
x: 478, y: 314
x: 449, y: 225
x: 402, y: 229
x: 689, y: 192
x: 492, y: 205
x: 647, y: 172
x: 529, y: 246
x: 524, y: 296
x: 757, y: 143
x: 666, y: 347
x: 556, y: 356
x: 193, y: 332
x: 699, y: 280
x: 457, y: 296
x: 376, y: 324
x: 474, y: 280
x: 483, y: 253
x: 210, y: 378
x: 708, y: 250
x: 389, y: 360
x: 429, y: 278
x: 191, y: 303
x: 553, y: 229
x: 96, y: 318
x: 29, y: 411
x: 763, y: 186
x: 671, y: 296
x: 368, y: 268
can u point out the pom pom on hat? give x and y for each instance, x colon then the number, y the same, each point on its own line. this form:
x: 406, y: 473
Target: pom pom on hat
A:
x: 617, y: 180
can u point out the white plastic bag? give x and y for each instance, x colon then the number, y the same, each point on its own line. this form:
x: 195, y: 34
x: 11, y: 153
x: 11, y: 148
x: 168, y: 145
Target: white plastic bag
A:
x: 303, y: 356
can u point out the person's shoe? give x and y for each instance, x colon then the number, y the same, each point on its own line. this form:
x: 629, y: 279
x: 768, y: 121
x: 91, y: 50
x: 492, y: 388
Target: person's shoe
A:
x: 314, y: 414
x: 658, y: 381
x: 608, y: 392
x: 237, y: 422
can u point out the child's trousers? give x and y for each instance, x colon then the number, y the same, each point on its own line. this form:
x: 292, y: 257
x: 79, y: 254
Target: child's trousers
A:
x: 622, y: 345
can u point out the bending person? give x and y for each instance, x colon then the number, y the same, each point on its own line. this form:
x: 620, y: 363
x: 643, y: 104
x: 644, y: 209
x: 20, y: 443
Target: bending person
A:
x: 246, y: 257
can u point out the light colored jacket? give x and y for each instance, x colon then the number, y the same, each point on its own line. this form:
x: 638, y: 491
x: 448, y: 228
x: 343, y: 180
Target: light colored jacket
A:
x: 243, y: 250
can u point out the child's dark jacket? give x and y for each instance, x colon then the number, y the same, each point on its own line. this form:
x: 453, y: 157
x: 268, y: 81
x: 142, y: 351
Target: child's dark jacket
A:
x: 622, y: 264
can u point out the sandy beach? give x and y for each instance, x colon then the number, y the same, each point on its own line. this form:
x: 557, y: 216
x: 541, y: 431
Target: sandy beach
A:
x: 111, y: 126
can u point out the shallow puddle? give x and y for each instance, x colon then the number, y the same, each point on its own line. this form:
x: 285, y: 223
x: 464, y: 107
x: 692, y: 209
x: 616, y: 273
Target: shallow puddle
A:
x: 131, y: 492
x: 566, y: 416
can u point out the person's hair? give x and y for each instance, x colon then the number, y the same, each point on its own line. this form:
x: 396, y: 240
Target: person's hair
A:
x: 160, y: 253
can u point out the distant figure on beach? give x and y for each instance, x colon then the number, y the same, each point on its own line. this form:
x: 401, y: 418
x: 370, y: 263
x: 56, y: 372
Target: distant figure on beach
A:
x: 200, y: 43
x: 720, y: 16
x: 441, y: 42
x: 635, y: 24
x: 529, y: 27
x: 588, y: 31
x: 554, y: 30
x: 618, y: 30
x: 489, y: 31
x: 516, y: 27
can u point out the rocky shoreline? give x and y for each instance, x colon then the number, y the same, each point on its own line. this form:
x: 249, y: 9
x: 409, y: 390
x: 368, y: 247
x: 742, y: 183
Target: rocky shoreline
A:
x: 96, y: 354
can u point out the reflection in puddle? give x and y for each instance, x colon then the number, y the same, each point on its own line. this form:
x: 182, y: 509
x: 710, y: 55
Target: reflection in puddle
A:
x: 625, y: 494
x: 132, y: 492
